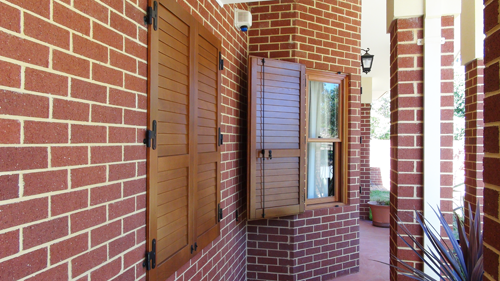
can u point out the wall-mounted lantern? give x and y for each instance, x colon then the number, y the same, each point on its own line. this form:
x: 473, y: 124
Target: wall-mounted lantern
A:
x: 366, y: 61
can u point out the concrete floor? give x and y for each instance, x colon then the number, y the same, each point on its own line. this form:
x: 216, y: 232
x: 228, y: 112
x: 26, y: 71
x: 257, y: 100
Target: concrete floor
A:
x: 374, y: 246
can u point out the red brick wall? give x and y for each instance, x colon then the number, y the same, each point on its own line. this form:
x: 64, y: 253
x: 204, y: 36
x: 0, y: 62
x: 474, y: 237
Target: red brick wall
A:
x: 491, y: 141
x: 72, y: 119
x: 407, y: 128
x: 316, y: 245
x: 322, y: 35
x: 72, y: 171
x: 474, y: 132
x: 365, y: 171
x: 376, y: 176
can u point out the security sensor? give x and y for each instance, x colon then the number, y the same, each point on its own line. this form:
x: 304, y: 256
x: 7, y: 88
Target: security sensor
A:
x: 242, y: 19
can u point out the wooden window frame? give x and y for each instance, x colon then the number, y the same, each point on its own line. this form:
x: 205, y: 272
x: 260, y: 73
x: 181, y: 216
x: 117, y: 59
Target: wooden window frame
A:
x: 341, y: 143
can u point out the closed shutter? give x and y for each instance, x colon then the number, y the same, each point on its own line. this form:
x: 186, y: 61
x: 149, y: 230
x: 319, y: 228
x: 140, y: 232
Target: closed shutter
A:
x: 208, y: 120
x: 276, y: 124
x: 184, y: 170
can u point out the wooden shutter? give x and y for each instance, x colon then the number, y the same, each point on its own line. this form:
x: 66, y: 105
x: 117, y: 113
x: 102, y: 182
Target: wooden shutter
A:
x: 276, y: 123
x: 208, y: 121
x: 184, y: 170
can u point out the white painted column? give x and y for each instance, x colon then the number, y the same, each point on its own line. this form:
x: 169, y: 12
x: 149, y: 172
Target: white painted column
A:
x: 471, y: 25
x: 432, y: 115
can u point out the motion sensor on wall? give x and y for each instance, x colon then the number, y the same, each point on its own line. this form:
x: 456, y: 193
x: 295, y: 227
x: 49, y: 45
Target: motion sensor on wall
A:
x: 242, y: 19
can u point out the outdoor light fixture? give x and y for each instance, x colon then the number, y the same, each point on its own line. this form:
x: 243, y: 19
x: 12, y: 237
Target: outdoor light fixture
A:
x: 366, y: 61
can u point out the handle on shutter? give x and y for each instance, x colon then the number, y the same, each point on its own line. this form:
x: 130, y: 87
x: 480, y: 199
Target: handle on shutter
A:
x: 270, y: 154
x: 150, y: 139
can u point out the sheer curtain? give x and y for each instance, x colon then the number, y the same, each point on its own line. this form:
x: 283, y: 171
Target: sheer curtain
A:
x: 318, y: 169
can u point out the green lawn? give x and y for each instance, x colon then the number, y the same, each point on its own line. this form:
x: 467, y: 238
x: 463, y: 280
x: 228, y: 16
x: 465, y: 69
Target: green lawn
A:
x: 379, y: 195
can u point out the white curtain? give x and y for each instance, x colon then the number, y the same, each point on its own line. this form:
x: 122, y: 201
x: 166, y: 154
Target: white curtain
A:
x: 319, y: 113
x: 318, y: 169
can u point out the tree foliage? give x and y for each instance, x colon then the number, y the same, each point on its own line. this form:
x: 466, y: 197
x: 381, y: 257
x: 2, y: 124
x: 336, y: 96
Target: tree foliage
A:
x: 333, y: 105
x: 380, y: 118
x: 380, y: 113
x: 459, y: 101
x: 459, y: 92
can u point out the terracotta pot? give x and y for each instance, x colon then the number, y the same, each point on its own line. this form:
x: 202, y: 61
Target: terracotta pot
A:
x: 381, y: 214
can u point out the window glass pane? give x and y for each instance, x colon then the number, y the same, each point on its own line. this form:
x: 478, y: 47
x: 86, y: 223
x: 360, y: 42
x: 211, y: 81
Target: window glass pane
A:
x: 320, y: 181
x: 323, y: 110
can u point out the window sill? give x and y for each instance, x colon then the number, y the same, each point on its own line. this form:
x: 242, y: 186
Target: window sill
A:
x: 315, y: 206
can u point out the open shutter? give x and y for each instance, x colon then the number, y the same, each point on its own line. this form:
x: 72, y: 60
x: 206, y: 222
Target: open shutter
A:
x: 207, y: 181
x: 170, y: 217
x: 276, y: 124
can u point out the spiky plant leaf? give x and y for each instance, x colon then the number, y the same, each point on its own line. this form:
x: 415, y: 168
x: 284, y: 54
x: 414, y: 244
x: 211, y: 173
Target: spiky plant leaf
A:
x: 462, y: 262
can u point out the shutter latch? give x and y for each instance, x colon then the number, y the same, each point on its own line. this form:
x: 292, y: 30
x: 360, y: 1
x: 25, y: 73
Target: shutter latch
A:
x: 150, y: 261
x: 194, y: 248
x: 220, y: 213
x: 221, y: 62
x: 221, y: 138
x: 150, y: 139
x: 152, y: 15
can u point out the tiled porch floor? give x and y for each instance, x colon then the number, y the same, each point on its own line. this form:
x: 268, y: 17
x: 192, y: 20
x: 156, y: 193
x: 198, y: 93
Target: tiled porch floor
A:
x: 374, y: 246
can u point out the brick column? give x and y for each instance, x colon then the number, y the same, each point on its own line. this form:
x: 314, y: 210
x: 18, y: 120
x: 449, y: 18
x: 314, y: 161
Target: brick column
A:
x: 407, y: 129
x: 474, y: 127
x: 491, y: 141
x: 364, y: 194
x: 447, y: 109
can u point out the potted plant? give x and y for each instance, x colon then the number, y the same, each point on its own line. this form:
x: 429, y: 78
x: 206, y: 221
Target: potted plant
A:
x: 460, y: 260
x: 380, y: 212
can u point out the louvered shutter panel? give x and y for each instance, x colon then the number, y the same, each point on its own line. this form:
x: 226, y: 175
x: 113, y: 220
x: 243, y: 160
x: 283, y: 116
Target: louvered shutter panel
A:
x: 207, y: 183
x: 184, y: 169
x: 169, y: 166
x: 276, y: 124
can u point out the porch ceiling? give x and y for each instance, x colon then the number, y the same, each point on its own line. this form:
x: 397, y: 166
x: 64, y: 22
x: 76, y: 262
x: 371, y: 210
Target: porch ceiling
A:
x: 375, y: 37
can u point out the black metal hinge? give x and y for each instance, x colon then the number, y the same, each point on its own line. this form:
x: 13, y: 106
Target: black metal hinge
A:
x: 150, y: 140
x: 220, y: 213
x: 152, y: 15
x: 150, y: 261
x: 221, y: 138
x: 221, y: 62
